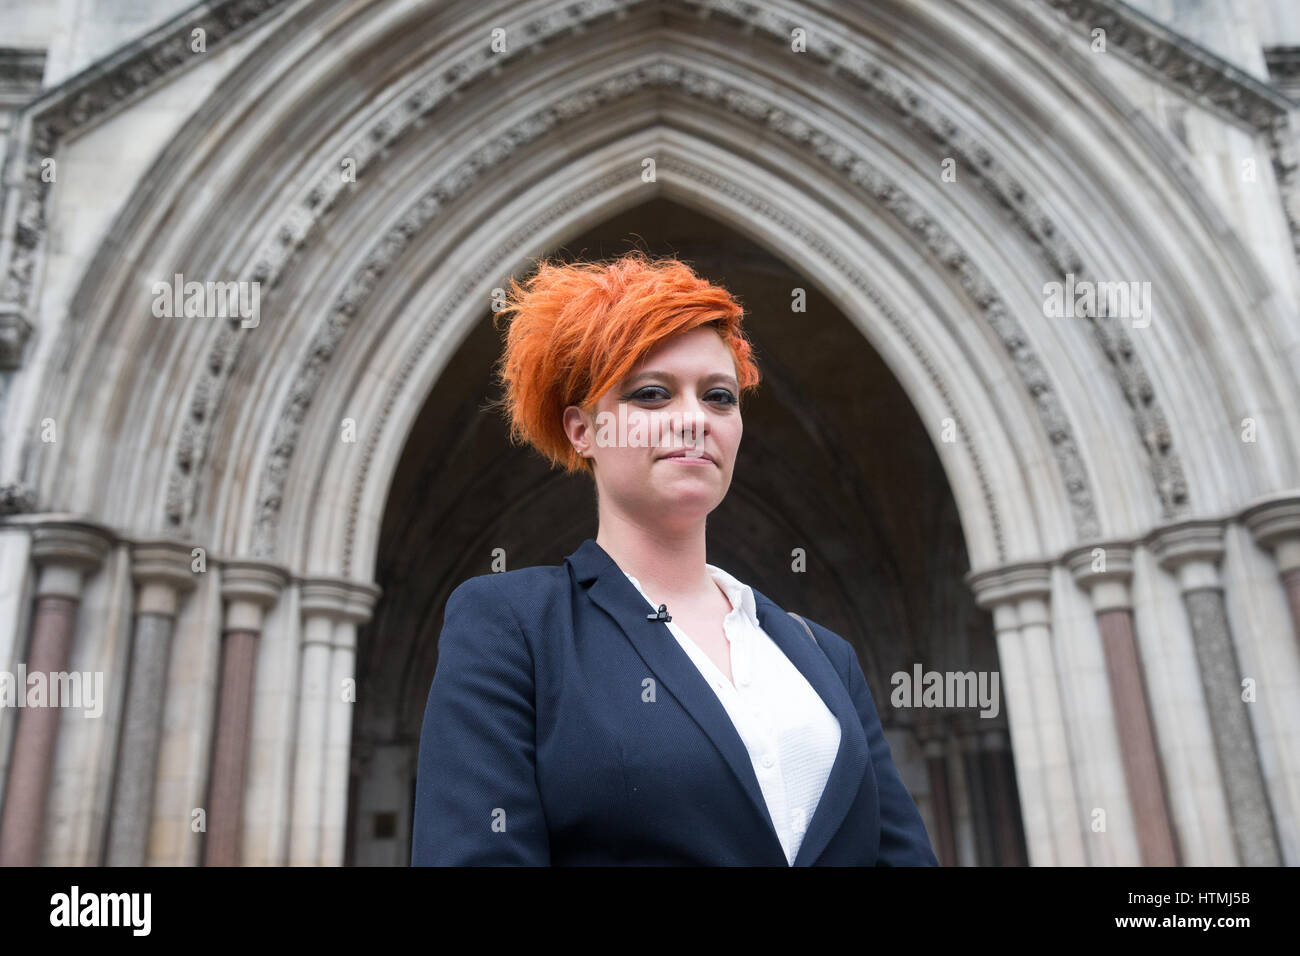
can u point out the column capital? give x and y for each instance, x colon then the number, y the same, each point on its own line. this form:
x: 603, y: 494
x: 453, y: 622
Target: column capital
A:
x: 1275, y: 524
x: 340, y: 599
x: 249, y: 587
x: 1190, y: 549
x: 1010, y: 583
x: 65, y: 548
x: 1116, y: 562
x: 161, y: 569
x: 1105, y: 575
x: 70, y: 542
x: 1197, y: 539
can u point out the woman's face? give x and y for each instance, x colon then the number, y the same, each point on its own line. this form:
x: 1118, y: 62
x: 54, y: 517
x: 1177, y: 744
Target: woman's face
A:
x: 678, y: 403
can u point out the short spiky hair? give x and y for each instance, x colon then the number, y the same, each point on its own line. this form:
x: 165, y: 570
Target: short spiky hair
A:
x: 576, y: 329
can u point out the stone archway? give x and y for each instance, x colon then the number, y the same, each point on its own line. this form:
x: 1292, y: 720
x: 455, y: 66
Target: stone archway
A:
x: 1056, y: 439
x: 834, y: 462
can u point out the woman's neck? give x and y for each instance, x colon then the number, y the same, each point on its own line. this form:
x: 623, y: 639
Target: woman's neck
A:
x: 664, y: 561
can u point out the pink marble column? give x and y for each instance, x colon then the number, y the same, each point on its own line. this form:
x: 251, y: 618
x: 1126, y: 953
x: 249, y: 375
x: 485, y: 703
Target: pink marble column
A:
x: 248, y: 588
x: 1104, y: 571
x: 65, y: 552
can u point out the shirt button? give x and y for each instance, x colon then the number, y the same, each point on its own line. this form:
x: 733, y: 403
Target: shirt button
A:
x: 767, y: 760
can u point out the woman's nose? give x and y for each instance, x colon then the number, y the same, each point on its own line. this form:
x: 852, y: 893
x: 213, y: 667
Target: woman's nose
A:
x: 690, y: 424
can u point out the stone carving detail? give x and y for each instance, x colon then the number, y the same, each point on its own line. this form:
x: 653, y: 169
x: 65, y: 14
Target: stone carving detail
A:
x: 155, y: 58
x: 1135, y: 384
x: 1209, y: 80
x: 674, y: 76
x: 92, y: 94
x: 916, y: 112
x: 17, y: 498
x: 831, y: 254
x: 1179, y: 61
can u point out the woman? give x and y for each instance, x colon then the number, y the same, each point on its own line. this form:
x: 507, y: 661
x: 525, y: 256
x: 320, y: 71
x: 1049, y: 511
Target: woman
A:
x: 573, y: 718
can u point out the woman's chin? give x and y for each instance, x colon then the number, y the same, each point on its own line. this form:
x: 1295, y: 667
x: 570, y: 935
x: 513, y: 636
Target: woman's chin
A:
x: 688, y: 498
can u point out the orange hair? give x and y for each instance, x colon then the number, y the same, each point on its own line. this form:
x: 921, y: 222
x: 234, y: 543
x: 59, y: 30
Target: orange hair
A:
x: 577, y: 329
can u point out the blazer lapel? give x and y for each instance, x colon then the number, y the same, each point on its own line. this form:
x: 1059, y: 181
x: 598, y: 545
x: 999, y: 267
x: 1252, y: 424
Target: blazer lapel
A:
x: 850, y: 764
x: 610, y: 589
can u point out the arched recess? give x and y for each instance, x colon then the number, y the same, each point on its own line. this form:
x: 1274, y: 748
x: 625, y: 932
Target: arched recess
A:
x: 347, y: 487
x: 834, y: 462
x: 197, y: 473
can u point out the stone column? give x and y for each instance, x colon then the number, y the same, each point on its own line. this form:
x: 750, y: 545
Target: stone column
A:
x: 248, y: 588
x: 331, y: 610
x: 161, y: 570
x: 1104, y: 572
x: 1018, y: 596
x: 64, y: 551
x: 977, y: 789
x: 1275, y: 525
x: 999, y: 772
x: 1192, y: 550
x: 936, y: 763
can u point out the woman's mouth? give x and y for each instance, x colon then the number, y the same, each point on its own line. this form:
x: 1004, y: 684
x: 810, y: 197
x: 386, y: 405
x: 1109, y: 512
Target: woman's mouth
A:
x: 689, y: 459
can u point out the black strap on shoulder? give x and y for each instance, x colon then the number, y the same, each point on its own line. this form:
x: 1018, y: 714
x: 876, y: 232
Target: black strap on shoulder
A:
x: 805, y: 627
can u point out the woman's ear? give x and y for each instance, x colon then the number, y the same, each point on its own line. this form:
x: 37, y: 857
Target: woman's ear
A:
x: 578, y: 428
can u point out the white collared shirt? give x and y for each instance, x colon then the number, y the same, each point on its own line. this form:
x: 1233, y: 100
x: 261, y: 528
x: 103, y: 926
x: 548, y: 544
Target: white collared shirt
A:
x: 791, y: 735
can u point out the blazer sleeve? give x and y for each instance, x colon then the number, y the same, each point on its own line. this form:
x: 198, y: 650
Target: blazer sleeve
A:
x: 903, y: 840
x: 476, y: 797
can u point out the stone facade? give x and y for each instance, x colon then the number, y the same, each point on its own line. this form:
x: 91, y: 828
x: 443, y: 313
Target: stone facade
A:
x: 247, y: 522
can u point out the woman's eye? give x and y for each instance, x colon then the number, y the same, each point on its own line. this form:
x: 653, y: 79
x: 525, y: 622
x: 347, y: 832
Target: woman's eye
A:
x: 655, y: 393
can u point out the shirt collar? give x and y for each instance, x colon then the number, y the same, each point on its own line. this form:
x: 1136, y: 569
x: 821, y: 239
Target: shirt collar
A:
x: 739, y: 594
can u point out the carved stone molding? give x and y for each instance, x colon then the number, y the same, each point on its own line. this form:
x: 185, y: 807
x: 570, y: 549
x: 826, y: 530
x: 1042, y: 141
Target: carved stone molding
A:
x: 299, y: 222
x: 1209, y: 80
x: 1153, y: 429
x: 671, y: 75
x: 17, y: 498
x: 666, y: 74
x: 15, y: 330
x: 142, y: 64
x: 101, y: 88
x: 21, y: 75
x: 1284, y: 69
x: 1182, y: 63
x: 339, y: 598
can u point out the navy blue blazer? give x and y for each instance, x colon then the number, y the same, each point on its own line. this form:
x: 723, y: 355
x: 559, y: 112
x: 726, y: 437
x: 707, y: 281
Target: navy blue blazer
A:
x: 564, y: 728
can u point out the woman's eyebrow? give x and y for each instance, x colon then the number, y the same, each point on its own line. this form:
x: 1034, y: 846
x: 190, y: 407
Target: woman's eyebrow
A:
x: 669, y: 376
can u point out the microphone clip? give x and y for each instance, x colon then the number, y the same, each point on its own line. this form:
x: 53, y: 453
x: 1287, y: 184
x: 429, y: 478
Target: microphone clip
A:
x: 660, y: 615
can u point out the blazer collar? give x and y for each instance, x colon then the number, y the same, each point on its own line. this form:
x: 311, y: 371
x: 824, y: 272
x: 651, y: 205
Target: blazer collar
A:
x: 608, y: 586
